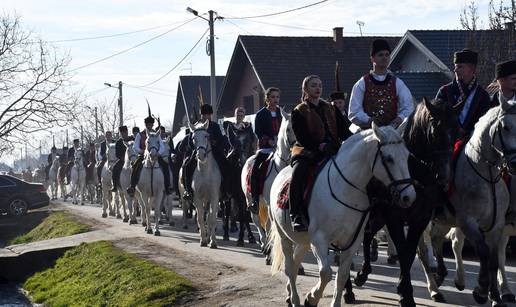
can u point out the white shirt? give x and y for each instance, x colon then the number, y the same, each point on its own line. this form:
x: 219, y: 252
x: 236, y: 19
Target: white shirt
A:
x: 138, y: 150
x: 356, y: 112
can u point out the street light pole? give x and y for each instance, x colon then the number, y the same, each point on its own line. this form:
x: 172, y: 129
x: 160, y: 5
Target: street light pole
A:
x: 96, y: 126
x: 120, y: 104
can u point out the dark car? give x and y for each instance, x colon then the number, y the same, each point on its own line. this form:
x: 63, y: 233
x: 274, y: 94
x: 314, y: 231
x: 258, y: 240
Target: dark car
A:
x: 18, y: 196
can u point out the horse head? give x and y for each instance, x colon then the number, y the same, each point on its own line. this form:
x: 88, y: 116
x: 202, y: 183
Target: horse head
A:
x: 152, y: 145
x: 78, y: 157
x: 503, y: 132
x: 430, y: 136
x: 201, y: 141
x: 130, y: 153
x: 390, y: 165
x: 111, y: 153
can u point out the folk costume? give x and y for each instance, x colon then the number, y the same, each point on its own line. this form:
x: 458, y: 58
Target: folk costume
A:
x: 120, y: 149
x: 470, y: 100
x: 50, y: 161
x: 139, y: 148
x: 503, y: 70
x: 381, y: 98
x: 313, y: 125
x: 266, y: 129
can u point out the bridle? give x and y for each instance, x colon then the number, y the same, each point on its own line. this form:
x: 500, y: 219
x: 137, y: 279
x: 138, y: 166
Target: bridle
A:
x: 393, y: 186
x: 207, y: 149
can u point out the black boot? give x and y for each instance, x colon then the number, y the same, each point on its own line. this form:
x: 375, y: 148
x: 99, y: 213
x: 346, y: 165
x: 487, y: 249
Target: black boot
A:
x: 254, y: 206
x: 297, y: 188
x: 299, y: 222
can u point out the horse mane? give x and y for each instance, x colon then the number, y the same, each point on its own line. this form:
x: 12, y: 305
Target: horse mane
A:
x: 415, y: 133
x: 484, y: 123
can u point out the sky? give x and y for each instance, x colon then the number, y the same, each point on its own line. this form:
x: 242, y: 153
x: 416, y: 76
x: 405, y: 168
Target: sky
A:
x: 58, y: 20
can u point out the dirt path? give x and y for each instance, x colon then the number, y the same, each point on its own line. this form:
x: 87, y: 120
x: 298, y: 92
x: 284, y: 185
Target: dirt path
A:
x: 237, y: 276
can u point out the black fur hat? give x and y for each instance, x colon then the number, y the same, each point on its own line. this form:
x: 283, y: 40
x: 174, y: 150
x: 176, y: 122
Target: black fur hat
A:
x: 379, y: 45
x: 505, y: 69
x: 465, y: 56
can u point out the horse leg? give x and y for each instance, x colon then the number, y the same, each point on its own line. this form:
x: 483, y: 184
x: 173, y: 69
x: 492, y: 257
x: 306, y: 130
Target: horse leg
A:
x: 457, y: 238
x: 157, y: 201
x: 225, y: 220
x: 287, y: 248
x: 342, y: 278
x: 438, y: 235
x: 320, y: 250
x: 493, y: 239
x: 507, y: 296
x: 212, y: 221
x: 200, y: 221
x: 125, y: 200
x: 105, y: 203
x: 373, y: 226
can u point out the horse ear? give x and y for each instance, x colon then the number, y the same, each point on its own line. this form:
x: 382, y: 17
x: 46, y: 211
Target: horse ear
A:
x: 377, y: 132
x: 402, y: 126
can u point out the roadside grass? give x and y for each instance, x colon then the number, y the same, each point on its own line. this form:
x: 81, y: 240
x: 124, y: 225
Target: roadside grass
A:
x: 56, y: 225
x: 100, y: 274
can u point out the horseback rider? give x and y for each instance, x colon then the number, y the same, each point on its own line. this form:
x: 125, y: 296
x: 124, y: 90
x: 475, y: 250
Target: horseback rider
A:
x: 379, y: 95
x: 469, y: 99
x: 238, y: 127
x: 50, y: 160
x: 219, y: 145
x: 319, y: 133
x: 71, y: 157
x: 90, y: 161
x: 102, y: 156
x: 266, y: 127
x: 139, y: 148
x: 120, y: 149
x: 135, y: 131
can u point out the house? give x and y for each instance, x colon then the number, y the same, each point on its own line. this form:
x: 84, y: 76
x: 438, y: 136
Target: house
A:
x: 423, y: 59
x: 189, y: 91
x: 259, y: 62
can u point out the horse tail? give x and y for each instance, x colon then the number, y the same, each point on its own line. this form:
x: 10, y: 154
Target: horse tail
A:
x: 277, y: 252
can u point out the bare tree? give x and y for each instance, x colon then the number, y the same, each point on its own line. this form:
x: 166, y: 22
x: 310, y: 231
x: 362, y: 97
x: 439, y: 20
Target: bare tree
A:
x: 469, y: 16
x: 501, y: 13
x: 34, y: 85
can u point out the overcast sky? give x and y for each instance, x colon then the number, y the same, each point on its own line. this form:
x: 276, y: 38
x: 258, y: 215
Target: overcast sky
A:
x: 60, y: 20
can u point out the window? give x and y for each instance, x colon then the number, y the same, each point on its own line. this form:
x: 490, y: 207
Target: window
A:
x: 4, y: 182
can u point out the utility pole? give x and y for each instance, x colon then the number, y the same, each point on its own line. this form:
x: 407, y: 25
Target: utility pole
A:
x: 26, y: 157
x: 120, y: 104
x: 213, y: 84
x: 67, y: 138
x: 96, y: 126
x: 82, y: 137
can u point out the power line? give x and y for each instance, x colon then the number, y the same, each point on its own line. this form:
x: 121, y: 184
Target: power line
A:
x: 133, y: 47
x: 239, y: 27
x: 115, y: 35
x: 282, y: 12
x: 178, y: 63
x: 151, y: 90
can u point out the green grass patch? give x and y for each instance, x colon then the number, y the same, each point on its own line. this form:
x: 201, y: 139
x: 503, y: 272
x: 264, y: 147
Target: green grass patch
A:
x: 100, y: 274
x: 56, y: 225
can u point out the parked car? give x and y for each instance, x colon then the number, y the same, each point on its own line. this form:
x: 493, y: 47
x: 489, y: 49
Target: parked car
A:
x: 18, y: 196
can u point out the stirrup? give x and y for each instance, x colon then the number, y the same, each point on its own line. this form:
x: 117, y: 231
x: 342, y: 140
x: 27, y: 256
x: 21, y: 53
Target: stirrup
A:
x: 187, y: 195
x: 254, y: 207
x: 299, y: 223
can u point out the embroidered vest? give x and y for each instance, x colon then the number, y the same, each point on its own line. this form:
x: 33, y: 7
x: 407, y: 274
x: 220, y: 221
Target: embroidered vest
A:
x: 381, y: 99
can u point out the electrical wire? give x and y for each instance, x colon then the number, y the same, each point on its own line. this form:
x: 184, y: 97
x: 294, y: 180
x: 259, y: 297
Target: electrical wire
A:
x: 178, y: 63
x: 115, y: 35
x: 282, y: 12
x: 133, y: 47
x: 239, y: 27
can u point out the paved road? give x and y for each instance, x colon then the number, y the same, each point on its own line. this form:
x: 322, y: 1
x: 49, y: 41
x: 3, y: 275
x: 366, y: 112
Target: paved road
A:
x: 379, y: 291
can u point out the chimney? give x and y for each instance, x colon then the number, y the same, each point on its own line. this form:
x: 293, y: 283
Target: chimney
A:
x: 337, y: 38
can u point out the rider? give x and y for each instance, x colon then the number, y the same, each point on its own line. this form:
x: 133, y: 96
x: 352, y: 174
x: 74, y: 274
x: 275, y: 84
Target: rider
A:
x: 466, y: 96
x: 50, y: 160
x: 135, y: 131
x: 319, y: 134
x: 90, y: 161
x: 219, y: 145
x: 379, y: 95
x: 139, y: 148
x: 120, y: 149
x: 266, y: 127
x: 103, y: 153
x: 239, y: 126
x: 71, y: 157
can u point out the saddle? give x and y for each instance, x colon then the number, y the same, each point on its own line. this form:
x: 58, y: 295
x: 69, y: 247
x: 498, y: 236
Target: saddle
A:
x: 262, y: 172
x: 313, y: 173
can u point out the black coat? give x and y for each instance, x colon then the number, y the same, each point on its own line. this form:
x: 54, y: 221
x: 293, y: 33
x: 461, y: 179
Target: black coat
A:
x: 263, y: 123
x: 120, y: 149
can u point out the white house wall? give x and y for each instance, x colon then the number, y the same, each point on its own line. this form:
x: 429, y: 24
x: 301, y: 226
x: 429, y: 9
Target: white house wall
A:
x: 413, y: 60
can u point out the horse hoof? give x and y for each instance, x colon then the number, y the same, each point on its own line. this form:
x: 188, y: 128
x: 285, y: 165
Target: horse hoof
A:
x: 171, y: 224
x: 132, y: 222
x: 144, y: 224
x: 438, y: 298
x: 307, y: 304
x: 360, y: 279
x: 499, y: 304
x: 204, y: 244
x: 288, y: 301
x: 104, y: 215
x: 225, y: 238
x: 82, y: 203
x: 157, y: 233
x: 480, y: 299
x: 301, y: 271
x: 459, y: 286
x: 407, y: 303
x: 251, y: 240
x: 240, y: 243
x: 349, y: 298
x: 508, y: 298
x: 149, y: 231
x: 185, y: 226
x: 268, y: 261
x: 213, y: 246
x: 125, y: 220
x: 118, y: 216
x: 439, y: 279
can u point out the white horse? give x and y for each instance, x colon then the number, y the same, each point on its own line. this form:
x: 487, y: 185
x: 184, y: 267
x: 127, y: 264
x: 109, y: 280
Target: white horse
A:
x: 205, y: 185
x: 52, y: 177
x: 151, y: 183
x: 106, y: 178
x: 480, y: 200
x: 61, y: 180
x: 281, y: 159
x: 167, y: 199
x: 78, y: 177
x: 125, y: 182
x: 338, y: 208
